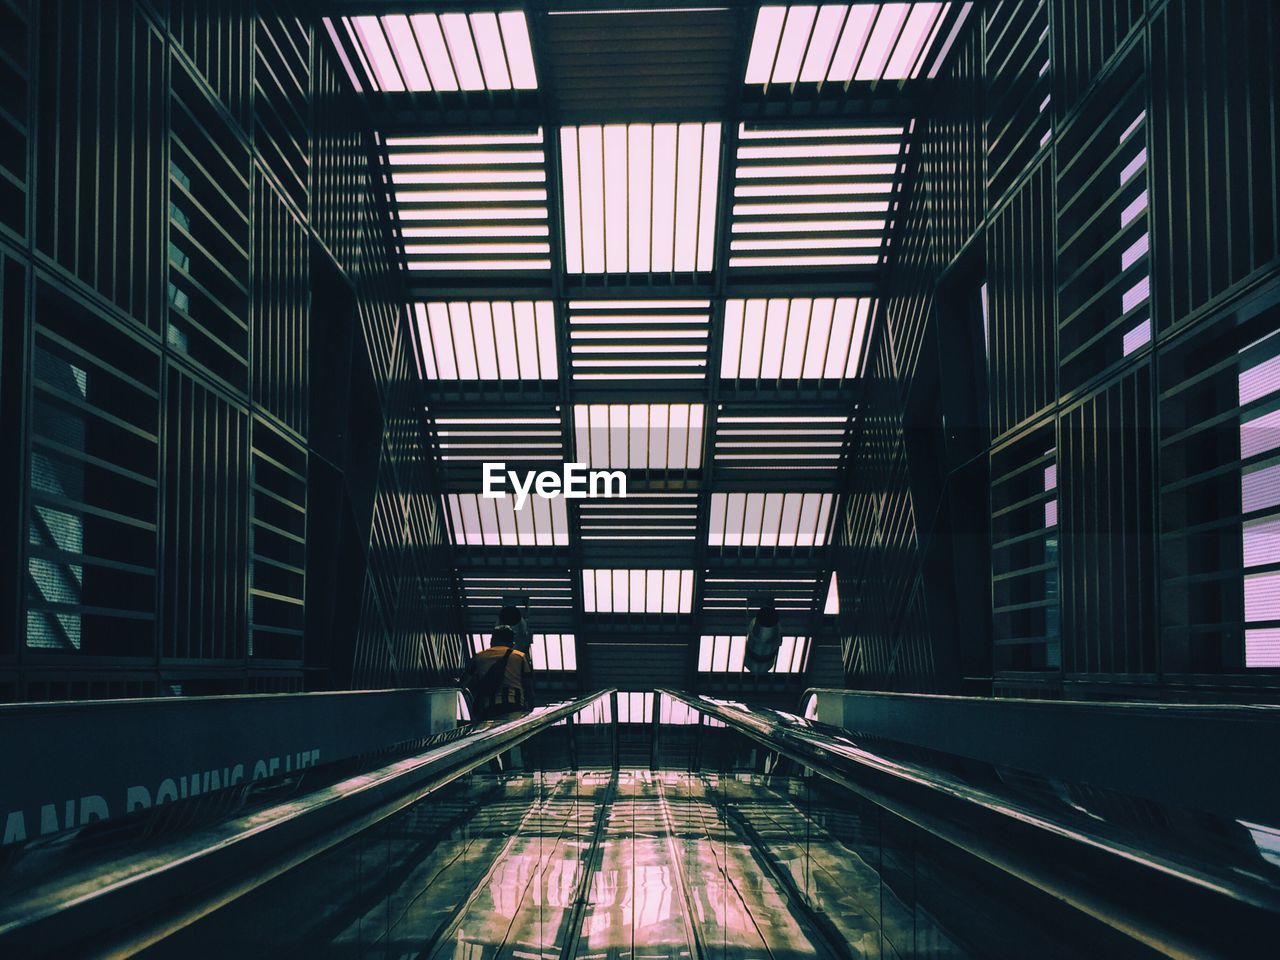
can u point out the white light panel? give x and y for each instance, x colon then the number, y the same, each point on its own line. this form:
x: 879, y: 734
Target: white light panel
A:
x: 832, y: 605
x: 639, y: 436
x: 471, y: 201
x: 667, y: 517
x: 639, y: 339
x: 483, y: 521
x: 769, y: 519
x: 554, y: 651
x: 797, y: 339
x: 677, y: 713
x: 640, y: 197
x: 637, y: 591
x: 508, y: 439
x: 635, y: 706
x: 726, y: 654
x: 816, y: 197
x: 446, y: 52
x: 836, y: 43
x: 487, y: 340
x: 759, y: 442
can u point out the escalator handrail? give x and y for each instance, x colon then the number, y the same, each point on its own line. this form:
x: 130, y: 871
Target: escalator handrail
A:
x: 892, y: 783
x: 140, y: 898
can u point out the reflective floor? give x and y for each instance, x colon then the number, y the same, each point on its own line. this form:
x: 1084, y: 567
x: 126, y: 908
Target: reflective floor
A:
x: 652, y: 866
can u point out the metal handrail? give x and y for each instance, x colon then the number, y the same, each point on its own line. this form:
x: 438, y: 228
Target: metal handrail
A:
x: 162, y: 890
x: 1017, y: 839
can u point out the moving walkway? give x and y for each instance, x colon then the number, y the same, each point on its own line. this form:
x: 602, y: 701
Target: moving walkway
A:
x: 751, y: 834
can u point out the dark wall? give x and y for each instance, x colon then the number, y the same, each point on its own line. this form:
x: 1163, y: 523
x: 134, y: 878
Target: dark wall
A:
x: 215, y: 477
x: 1072, y: 490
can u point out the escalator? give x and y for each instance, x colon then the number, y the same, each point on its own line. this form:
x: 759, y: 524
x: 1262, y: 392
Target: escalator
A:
x: 752, y: 834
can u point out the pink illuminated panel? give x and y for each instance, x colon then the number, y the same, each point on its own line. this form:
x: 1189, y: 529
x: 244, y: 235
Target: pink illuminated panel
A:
x: 837, y: 43
x: 448, y: 52
x: 640, y: 197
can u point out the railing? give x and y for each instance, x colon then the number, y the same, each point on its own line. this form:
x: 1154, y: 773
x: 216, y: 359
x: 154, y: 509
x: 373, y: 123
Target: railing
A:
x: 125, y: 904
x: 1179, y: 899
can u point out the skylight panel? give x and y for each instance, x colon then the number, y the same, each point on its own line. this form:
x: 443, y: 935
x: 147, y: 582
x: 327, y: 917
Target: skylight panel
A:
x: 769, y: 519
x: 797, y: 339
x: 792, y: 594
x: 550, y: 593
x: 553, y: 651
x: 483, y: 521
x: 639, y: 339
x: 472, y: 202
x: 813, y: 198
x: 635, y: 706
x: 637, y: 591
x: 836, y: 43
x: 722, y: 653
x: 446, y: 53
x: 487, y: 340
x: 745, y: 444
x: 832, y: 604
x: 640, y: 198
x: 521, y: 439
x: 639, y: 436
x: 666, y: 517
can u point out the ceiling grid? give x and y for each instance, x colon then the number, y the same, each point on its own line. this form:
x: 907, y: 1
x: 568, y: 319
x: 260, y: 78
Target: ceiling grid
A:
x: 626, y: 248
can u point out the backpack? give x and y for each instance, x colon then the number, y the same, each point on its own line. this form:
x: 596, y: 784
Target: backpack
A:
x: 486, y: 689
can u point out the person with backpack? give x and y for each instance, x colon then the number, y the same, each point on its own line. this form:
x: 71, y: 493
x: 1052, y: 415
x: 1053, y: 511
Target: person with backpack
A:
x: 499, y: 680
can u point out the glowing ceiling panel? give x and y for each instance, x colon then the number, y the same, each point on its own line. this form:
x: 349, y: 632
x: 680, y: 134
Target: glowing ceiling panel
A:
x: 485, y: 521
x: 639, y: 436
x: 797, y: 339
x: 637, y: 591
x: 639, y: 339
x: 446, y: 52
x: 471, y: 201
x: 836, y: 43
x: 487, y: 340
x: 816, y: 197
x: 725, y: 654
x: 640, y: 197
x: 769, y: 519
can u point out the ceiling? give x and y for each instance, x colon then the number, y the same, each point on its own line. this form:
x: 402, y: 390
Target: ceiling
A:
x: 647, y: 240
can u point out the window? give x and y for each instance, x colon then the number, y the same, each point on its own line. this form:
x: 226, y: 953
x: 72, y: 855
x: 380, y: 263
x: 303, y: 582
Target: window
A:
x: 726, y: 654
x: 639, y: 436
x: 797, y: 339
x: 487, y: 340
x: 837, y: 42
x: 659, y: 217
x: 832, y: 605
x: 639, y: 339
x: 472, y: 201
x: 769, y: 519
x: 816, y: 197
x: 637, y: 591
x: 446, y: 52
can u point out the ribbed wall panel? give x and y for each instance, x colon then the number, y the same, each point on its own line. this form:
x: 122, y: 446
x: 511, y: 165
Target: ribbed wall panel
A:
x: 1215, y: 150
x: 209, y: 236
x: 1022, y: 339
